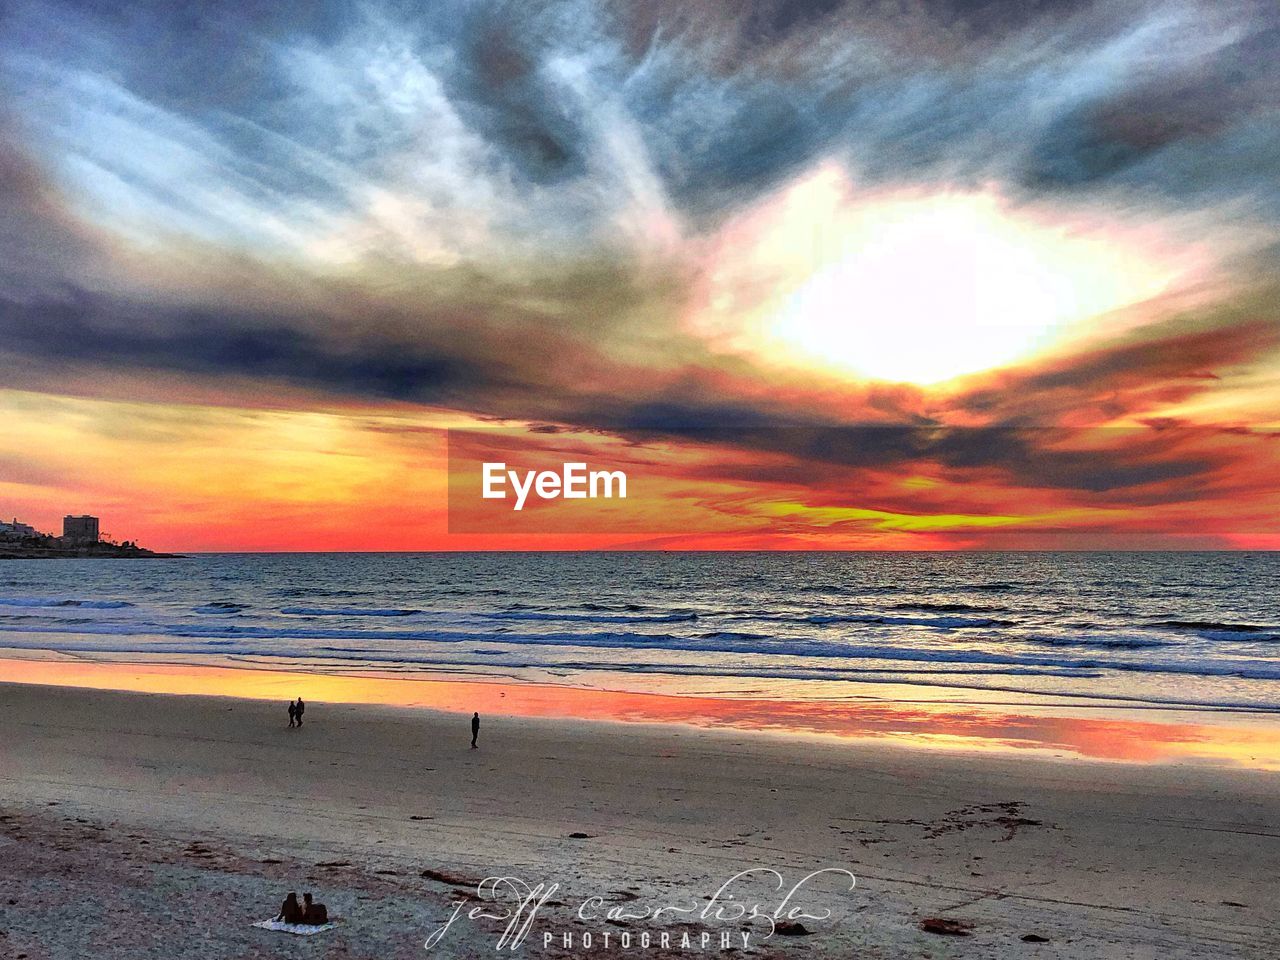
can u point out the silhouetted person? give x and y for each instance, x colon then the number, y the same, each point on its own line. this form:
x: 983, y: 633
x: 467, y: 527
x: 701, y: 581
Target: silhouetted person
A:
x: 290, y: 910
x: 475, y: 729
x: 301, y: 706
x: 293, y: 714
x: 314, y: 914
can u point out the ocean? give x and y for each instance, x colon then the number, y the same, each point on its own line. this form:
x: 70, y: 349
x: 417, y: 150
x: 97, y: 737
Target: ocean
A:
x: 1191, y: 630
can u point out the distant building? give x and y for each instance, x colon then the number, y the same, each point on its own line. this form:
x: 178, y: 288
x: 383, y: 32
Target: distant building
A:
x: 82, y: 529
x: 16, y: 530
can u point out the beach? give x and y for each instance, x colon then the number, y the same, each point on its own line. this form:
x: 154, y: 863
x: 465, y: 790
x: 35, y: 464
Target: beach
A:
x: 139, y: 825
x: 735, y: 480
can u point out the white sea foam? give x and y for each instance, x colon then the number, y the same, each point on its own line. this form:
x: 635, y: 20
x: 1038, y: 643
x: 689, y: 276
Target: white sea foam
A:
x: 148, y: 638
x: 53, y: 602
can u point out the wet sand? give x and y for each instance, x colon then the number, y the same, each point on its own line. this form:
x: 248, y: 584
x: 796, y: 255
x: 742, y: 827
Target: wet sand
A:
x: 124, y: 812
x: 909, y: 715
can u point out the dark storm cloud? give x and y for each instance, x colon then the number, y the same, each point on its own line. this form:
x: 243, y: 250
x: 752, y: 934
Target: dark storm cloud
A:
x: 730, y: 98
x: 1023, y: 455
x: 1136, y: 467
x: 1187, y: 128
x: 1045, y: 95
x: 90, y: 330
x: 41, y: 243
x: 1129, y: 378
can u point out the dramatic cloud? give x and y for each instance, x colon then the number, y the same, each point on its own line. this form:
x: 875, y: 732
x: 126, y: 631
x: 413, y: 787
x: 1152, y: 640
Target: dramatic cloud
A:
x: 828, y: 242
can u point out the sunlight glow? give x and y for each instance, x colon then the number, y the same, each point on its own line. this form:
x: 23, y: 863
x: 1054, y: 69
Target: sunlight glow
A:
x: 916, y: 287
x: 933, y: 288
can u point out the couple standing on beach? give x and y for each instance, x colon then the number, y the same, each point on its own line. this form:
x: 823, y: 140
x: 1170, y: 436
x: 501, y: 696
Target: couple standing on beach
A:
x: 296, y: 707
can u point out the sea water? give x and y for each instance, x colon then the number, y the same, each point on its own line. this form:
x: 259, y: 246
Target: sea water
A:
x: 1196, y: 630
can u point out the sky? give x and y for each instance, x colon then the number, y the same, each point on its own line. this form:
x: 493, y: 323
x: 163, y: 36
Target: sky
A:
x: 927, y: 274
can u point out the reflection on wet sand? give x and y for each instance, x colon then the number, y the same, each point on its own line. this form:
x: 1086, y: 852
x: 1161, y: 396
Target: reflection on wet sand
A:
x: 1243, y: 739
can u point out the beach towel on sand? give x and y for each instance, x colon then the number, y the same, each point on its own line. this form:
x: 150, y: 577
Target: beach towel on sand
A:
x: 298, y: 929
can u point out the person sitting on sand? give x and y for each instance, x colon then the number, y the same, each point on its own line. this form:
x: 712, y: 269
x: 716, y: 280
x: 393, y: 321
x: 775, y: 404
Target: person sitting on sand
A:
x: 314, y: 914
x: 291, y: 910
x: 293, y: 714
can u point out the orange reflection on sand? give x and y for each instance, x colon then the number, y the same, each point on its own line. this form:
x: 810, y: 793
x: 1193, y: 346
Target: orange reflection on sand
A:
x: 1233, y: 740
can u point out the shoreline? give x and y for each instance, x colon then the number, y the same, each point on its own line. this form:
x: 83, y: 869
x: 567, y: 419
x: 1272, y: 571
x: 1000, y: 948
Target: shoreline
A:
x: 390, y: 818
x: 921, y: 719
x: 97, y: 551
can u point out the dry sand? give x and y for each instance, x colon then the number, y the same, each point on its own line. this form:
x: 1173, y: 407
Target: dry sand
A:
x: 150, y: 826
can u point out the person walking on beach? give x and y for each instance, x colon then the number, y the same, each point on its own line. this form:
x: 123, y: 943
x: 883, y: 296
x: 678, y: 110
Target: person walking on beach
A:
x: 475, y: 729
x: 300, y: 707
x: 293, y: 714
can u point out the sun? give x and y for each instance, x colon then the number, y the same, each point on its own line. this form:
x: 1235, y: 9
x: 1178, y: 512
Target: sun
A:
x: 915, y: 287
x: 930, y: 289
